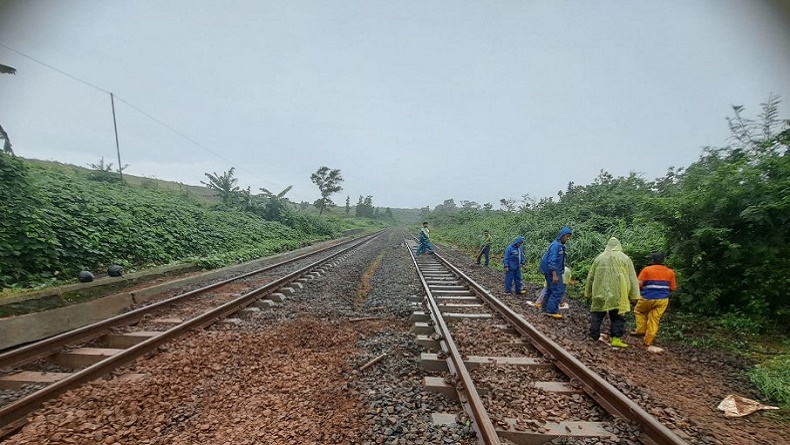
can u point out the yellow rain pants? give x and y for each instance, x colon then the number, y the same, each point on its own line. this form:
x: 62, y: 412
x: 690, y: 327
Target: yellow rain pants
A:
x: 648, y: 315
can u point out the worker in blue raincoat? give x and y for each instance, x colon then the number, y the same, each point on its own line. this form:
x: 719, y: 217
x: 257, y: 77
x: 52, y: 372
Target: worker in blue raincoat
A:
x: 513, y: 260
x: 552, y: 266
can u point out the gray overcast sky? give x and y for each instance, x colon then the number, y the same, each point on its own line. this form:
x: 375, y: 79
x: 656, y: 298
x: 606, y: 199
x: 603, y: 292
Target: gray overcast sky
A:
x: 414, y: 101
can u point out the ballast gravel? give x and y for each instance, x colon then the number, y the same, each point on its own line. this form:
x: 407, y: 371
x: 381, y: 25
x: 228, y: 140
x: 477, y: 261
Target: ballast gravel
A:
x: 283, y: 375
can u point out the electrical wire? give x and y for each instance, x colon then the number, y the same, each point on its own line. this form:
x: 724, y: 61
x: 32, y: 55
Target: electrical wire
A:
x: 148, y: 115
x: 55, y: 69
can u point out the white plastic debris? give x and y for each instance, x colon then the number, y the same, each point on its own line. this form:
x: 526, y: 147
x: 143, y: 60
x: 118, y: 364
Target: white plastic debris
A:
x: 737, y: 406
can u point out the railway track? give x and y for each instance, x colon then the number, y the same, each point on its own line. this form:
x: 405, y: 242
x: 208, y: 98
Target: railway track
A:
x: 60, y: 363
x: 515, y: 385
x: 336, y: 364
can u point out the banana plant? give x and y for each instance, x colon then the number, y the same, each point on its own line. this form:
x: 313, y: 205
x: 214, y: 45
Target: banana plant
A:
x: 225, y: 185
x: 5, y: 69
x: 276, y: 208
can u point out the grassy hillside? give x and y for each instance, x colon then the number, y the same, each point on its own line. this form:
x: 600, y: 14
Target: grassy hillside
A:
x: 199, y: 193
x: 60, y: 219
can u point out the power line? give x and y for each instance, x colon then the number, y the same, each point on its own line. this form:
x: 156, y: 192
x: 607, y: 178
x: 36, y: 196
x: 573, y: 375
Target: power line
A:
x: 177, y: 132
x: 55, y: 69
x: 131, y: 106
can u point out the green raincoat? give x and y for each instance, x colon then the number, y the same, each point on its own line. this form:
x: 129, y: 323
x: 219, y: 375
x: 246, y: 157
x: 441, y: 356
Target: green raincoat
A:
x: 612, y: 280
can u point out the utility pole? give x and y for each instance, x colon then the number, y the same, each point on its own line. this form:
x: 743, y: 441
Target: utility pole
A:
x: 117, y: 146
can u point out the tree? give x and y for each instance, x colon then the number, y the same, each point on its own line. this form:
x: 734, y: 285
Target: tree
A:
x: 447, y: 206
x: 103, y: 171
x: 5, y: 69
x: 224, y: 185
x: 727, y: 220
x: 527, y: 203
x: 365, y: 207
x: 425, y: 212
x: 276, y: 207
x: 469, y: 205
x: 507, y: 204
x: 101, y: 166
x: 606, y: 199
x: 348, y: 204
x: 328, y: 182
x: 359, y: 210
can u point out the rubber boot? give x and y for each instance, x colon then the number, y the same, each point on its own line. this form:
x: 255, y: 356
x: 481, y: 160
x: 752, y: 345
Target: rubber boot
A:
x: 618, y: 343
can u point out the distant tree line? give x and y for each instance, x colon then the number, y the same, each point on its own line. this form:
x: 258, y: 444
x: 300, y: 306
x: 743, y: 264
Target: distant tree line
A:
x: 275, y: 206
x: 365, y: 209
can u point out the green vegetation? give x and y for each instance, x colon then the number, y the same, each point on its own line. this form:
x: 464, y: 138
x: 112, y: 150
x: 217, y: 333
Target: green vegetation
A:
x: 225, y: 186
x: 723, y: 222
x: 733, y: 333
x: 60, y: 219
x: 726, y: 221
x: 328, y: 182
x: 772, y: 378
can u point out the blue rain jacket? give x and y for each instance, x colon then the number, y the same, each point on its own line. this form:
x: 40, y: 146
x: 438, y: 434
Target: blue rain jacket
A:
x: 554, y: 258
x: 514, y: 255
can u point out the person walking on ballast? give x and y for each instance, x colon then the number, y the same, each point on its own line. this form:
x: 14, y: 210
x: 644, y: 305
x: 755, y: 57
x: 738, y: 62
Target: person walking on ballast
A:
x: 513, y: 259
x: 425, y: 240
x: 612, y: 284
x: 552, y: 266
x: 485, y: 247
x: 656, y: 282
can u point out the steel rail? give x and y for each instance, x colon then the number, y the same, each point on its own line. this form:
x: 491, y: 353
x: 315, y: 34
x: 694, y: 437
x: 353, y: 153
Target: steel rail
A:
x: 482, y: 422
x: 16, y: 410
x: 43, y: 348
x: 609, y: 397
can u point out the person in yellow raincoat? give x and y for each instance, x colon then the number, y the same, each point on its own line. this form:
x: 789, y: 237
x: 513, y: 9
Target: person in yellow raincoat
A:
x: 612, y: 284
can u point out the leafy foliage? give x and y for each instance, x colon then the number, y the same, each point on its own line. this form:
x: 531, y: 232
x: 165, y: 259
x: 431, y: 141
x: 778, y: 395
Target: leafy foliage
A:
x: 276, y: 207
x: 104, y: 172
x: 773, y: 379
x: 724, y: 222
x: 607, y: 207
x: 728, y: 219
x: 225, y: 186
x: 365, y: 207
x: 6, y: 141
x: 26, y: 236
x: 328, y: 182
x: 57, y: 221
